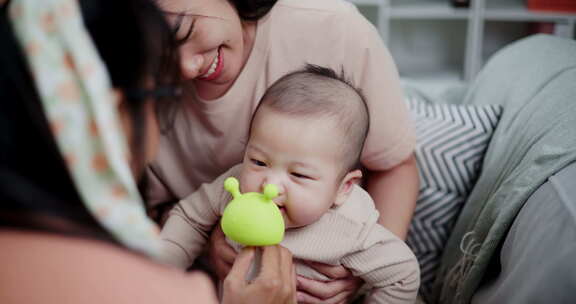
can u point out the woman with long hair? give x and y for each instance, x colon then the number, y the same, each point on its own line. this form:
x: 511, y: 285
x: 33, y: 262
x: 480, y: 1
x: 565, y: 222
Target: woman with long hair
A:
x: 81, y: 84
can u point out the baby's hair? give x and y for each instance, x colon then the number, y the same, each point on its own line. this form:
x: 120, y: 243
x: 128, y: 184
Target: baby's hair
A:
x: 320, y: 93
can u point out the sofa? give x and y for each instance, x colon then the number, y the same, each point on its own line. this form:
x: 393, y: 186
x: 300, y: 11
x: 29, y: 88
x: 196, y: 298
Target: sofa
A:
x: 514, y: 239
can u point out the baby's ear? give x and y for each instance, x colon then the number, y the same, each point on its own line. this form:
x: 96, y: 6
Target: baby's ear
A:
x: 350, y: 179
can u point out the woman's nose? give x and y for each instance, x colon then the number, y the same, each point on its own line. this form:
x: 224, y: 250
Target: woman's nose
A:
x: 191, y: 64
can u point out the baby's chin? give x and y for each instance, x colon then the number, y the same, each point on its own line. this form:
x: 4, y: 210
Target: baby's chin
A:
x: 287, y: 222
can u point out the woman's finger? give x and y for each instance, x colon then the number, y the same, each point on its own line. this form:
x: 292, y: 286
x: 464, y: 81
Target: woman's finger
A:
x: 339, y: 298
x: 325, y: 290
x: 305, y: 298
x: 236, y: 276
x: 277, y: 274
x: 333, y: 272
x: 221, y: 268
x: 271, y: 263
x: 288, y: 268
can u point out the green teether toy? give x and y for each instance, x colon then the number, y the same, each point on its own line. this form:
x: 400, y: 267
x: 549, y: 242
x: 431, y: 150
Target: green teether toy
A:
x: 252, y: 219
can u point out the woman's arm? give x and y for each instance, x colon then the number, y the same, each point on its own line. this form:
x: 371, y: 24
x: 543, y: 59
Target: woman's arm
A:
x: 45, y: 268
x: 395, y: 192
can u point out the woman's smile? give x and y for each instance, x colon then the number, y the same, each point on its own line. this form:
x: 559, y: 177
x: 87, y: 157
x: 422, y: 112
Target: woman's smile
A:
x: 215, y: 68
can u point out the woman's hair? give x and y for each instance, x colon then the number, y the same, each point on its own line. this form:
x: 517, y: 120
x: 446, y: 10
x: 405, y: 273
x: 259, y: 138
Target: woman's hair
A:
x: 135, y: 44
x: 252, y: 9
x: 248, y: 10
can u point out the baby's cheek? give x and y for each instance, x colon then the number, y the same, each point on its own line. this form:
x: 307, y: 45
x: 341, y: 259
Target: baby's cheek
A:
x: 249, y: 182
x: 306, y: 213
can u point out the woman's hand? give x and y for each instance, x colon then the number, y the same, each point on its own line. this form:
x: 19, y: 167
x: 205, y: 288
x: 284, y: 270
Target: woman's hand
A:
x: 340, y: 290
x: 275, y: 284
x: 220, y: 253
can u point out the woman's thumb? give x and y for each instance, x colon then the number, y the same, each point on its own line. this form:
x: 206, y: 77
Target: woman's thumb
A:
x: 241, y: 264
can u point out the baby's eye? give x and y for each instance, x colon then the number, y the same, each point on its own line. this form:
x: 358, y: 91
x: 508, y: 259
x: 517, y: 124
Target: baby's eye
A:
x: 258, y: 162
x: 302, y: 176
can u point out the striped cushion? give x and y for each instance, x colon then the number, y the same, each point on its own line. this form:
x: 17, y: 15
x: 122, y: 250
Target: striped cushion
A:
x: 451, y: 141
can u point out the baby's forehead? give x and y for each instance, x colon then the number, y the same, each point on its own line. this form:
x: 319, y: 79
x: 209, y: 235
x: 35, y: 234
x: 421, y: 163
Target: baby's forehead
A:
x: 315, y: 127
x: 312, y: 119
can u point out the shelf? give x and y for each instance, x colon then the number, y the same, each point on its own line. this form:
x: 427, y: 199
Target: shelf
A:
x: 434, y: 84
x: 502, y: 33
x: 436, y: 77
x: 417, y: 53
x: 515, y: 11
x: 367, y: 2
x: 435, y: 43
x: 422, y: 9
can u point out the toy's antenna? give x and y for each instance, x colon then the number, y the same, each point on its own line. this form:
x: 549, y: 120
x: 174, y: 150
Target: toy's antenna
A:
x: 231, y: 185
x: 270, y: 191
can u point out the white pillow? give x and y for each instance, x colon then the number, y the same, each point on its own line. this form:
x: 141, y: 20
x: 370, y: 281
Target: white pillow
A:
x: 451, y: 141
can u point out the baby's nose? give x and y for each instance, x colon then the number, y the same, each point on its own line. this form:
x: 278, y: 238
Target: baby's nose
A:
x: 274, y: 181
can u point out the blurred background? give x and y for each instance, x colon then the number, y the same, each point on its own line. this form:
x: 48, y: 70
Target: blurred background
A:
x: 440, y: 43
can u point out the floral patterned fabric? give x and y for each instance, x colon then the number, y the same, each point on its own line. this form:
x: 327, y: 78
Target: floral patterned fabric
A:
x: 79, y: 103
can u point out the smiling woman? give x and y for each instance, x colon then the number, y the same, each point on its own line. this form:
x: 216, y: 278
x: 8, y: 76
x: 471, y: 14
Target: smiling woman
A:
x: 231, y: 52
x: 214, y: 43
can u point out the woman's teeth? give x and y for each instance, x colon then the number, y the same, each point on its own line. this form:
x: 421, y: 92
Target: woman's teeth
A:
x: 213, y: 66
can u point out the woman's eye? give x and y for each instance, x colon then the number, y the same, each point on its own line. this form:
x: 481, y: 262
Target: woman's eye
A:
x: 258, y: 162
x: 183, y: 28
x: 298, y: 175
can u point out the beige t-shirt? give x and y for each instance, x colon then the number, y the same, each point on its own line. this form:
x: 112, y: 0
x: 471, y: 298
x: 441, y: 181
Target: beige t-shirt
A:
x: 209, y: 136
x: 348, y: 235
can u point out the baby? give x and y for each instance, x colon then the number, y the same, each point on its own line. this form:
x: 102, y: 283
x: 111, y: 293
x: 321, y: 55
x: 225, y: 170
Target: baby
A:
x: 306, y: 138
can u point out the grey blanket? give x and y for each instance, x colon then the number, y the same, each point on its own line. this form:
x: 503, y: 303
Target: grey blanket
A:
x: 535, y: 81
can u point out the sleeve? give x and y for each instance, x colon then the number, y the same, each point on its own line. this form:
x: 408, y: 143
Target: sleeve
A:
x: 156, y: 192
x: 391, y: 138
x: 192, y: 219
x: 388, y: 266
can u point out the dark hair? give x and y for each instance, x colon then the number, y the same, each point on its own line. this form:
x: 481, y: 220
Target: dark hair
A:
x: 318, y: 92
x: 248, y: 10
x: 252, y: 9
x: 134, y: 42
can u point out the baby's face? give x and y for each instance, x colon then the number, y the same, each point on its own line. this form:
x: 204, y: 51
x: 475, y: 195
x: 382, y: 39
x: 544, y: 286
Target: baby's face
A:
x: 302, y: 156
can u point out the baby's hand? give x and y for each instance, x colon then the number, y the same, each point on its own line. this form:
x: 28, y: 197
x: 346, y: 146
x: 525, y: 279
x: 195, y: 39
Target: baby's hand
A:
x: 221, y: 254
x: 340, y: 290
